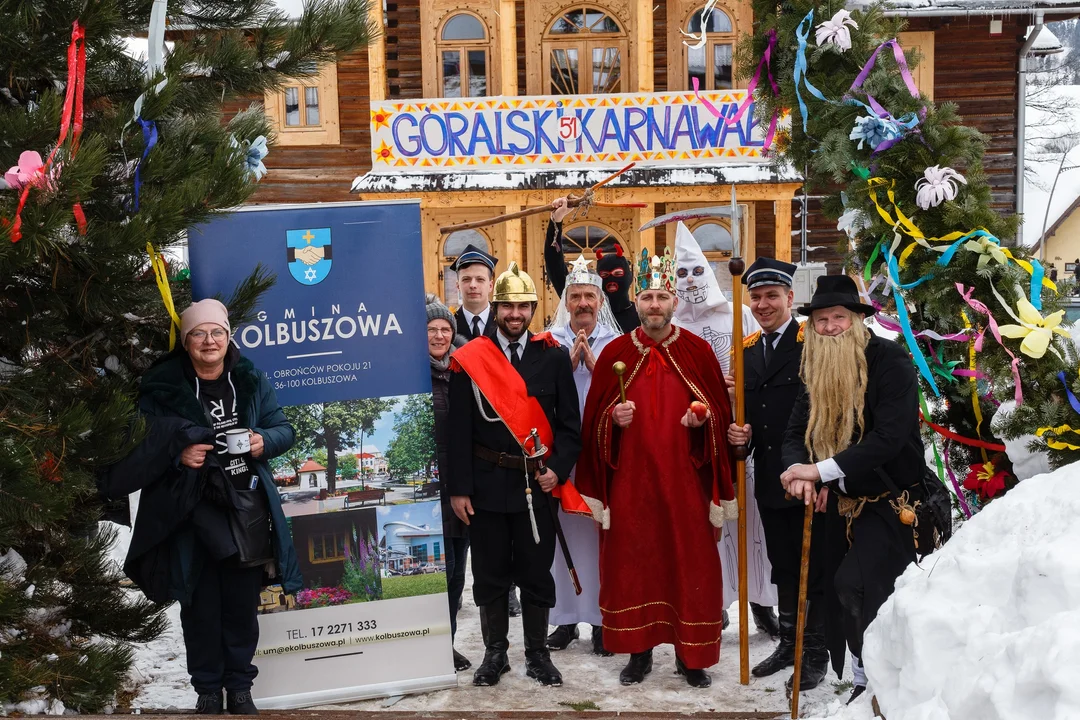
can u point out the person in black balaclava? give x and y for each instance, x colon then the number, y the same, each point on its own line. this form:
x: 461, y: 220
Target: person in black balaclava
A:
x: 612, y: 266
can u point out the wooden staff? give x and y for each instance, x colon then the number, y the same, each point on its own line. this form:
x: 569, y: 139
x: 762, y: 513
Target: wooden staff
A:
x: 571, y: 201
x: 800, y: 623
x: 737, y: 265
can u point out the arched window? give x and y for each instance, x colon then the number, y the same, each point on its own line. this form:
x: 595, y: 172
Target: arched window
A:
x: 453, y: 245
x: 463, y: 45
x: 583, y: 52
x: 711, y: 63
x: 586, y: 238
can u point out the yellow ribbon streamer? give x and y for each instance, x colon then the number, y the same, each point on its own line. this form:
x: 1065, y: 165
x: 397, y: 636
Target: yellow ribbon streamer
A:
x: 161, y: 278
x: 920, y: 238
x: 1058, y: 444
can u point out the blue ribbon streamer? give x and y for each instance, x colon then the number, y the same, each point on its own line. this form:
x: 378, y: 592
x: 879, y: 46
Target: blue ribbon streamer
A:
x: 150, y: 138
x: 1037, y: 273
x: 905, y: 325
x: 802, y: 34
x: 947, y: 256
x: 1072, y: 398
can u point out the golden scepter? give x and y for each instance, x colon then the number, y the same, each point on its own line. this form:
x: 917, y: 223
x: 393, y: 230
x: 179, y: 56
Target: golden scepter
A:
x: 619, y: 368
x: 736, y: 265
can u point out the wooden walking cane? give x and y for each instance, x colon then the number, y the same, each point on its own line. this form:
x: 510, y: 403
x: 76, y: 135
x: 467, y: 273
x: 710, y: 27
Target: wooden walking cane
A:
x: 800, y: 623
x: 736, y: 265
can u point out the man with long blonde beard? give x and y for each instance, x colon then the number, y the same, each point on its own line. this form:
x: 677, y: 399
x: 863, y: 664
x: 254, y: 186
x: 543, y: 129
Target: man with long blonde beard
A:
x: 855, y: 431
x: 655, y: 469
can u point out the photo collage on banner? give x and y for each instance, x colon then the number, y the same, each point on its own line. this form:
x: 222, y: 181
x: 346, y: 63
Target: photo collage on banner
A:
x: 341, y: 336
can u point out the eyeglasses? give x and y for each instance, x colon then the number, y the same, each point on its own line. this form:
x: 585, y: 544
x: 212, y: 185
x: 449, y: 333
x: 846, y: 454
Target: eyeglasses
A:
x: 440, y: 331
x: 199, y: 335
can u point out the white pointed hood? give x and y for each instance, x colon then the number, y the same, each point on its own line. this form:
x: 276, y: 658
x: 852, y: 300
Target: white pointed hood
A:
x: 703, y: 308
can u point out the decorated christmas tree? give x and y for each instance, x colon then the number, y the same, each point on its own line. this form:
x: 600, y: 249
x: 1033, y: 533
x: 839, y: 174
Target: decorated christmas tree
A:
x: 905, y: 181
x: 113, y: 155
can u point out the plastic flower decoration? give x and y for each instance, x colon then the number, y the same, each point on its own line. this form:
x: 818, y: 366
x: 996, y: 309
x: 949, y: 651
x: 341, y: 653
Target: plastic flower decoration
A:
x: 28, y: 171
x: 1036, y: 330
x: 256, y: 151
x: 986, y: 480
x: 874, y: 130
x: 836, y: 32
x: 937, y: 185
x: 988, y: 250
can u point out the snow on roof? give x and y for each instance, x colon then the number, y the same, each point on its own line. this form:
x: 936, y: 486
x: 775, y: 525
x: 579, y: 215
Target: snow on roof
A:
x: 373, y: 182
x: 1046, y: 42
x: 1044, y: 167
x: 311, y: 466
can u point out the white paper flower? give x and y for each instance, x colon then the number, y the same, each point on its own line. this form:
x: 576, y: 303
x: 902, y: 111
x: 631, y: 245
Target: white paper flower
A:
x: 835, y: 31
x: 852, y: 222
x: 938, y: 185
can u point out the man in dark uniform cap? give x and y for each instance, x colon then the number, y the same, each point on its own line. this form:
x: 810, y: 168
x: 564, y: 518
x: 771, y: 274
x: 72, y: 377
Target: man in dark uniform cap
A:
x: 771, y: 358
x: 475, y: 272
x: 502, y: 389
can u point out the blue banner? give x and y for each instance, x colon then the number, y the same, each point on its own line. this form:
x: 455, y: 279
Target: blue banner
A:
x: 346, y: 318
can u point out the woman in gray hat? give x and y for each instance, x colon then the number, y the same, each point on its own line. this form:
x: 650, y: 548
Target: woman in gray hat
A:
x: 442, y: 340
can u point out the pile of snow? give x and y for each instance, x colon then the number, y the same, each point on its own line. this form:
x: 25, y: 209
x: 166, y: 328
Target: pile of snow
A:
x: 989, y: 626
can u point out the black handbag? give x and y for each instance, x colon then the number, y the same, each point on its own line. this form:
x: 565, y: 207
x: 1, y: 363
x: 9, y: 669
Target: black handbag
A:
x: 933, y: 511
x: 248, y: 512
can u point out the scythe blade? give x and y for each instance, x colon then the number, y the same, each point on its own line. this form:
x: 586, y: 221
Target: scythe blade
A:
x: 687, y: 214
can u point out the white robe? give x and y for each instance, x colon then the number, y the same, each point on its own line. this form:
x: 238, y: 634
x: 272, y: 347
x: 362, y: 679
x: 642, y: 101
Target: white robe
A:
x: 705, y: 311
x: 582, y: 533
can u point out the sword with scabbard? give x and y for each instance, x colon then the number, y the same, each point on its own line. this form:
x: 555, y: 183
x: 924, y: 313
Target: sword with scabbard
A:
x: 537, y: 456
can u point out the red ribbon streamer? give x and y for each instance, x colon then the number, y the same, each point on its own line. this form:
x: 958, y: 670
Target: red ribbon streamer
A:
x: 945, y: 432
x: 71, y: 120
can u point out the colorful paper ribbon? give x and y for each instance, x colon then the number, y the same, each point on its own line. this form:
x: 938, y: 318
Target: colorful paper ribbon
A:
x: 946, y: 432
x: 964, y: 507
x: 157, y: 263
x: 802, y: 34
x: 980, y: 308
x: 1059, y: 430
x: 905, y: 323
x: 71, y: 119
x: 150, y: 138
x: 766, y: 63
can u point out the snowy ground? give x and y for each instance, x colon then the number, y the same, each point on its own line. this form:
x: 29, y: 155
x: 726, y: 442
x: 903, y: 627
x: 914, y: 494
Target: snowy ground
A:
x: 160, y: 671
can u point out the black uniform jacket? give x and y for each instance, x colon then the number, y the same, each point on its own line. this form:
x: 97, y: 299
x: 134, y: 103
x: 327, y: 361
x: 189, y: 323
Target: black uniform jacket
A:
x: 463, y: 327
x: 548, y: 378
x: 890, y: 440
x: 770, y: 398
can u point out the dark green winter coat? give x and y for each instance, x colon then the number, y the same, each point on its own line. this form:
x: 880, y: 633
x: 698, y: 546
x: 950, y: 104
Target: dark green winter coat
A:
x: 163, y: 559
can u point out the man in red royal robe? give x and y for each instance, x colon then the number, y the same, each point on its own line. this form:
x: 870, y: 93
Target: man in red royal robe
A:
x: 657, y: 475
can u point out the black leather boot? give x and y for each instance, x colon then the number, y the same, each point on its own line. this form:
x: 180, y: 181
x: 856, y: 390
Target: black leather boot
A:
x: 515, y: 606
x: 598, y: 642
x: 765, y: 620
x: 562, y: 637
x: 494, y: 626
x: 639, y: 666
x: 240, y: 703
x: 784, y: 654
x: 209, y: 704
x: 694, y: 678
x: 815, y: 659
x: 538, y: 665
x: 461, y: 662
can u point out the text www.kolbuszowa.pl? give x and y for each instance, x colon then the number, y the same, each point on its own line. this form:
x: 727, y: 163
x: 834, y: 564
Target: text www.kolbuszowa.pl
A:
x: 341, y: 642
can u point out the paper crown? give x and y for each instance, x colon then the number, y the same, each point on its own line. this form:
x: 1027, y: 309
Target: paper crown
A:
x: 657, y: 273
x: 582, y: 274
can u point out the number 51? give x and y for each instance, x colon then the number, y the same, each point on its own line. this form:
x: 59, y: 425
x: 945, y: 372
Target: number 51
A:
x: 569, y: 128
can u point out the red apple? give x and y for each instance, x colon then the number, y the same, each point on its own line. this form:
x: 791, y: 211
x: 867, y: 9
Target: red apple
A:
x: 699, y: 409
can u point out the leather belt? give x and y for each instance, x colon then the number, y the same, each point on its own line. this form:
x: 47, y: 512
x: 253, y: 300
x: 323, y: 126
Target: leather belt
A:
x: 505, y: 460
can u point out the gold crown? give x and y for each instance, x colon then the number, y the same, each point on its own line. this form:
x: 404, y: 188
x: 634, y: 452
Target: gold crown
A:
x: 657, y: 273
x: 514, y: 286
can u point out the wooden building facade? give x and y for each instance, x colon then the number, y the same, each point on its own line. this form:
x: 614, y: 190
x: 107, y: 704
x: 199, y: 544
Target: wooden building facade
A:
x: 435, y: 50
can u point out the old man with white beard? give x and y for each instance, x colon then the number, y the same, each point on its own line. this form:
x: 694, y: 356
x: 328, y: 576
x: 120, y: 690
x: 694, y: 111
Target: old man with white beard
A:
x: 704, y: 310
x: 583, y: 325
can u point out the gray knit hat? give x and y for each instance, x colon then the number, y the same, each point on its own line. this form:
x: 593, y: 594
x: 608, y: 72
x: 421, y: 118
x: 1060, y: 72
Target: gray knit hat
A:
x: 437, y: 311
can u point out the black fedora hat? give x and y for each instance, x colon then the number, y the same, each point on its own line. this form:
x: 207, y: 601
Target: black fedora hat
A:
x: 833, y: 290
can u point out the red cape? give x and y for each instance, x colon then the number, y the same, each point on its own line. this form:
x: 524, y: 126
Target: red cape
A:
x: 696, y: 364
